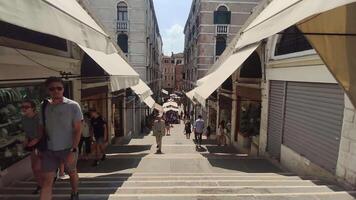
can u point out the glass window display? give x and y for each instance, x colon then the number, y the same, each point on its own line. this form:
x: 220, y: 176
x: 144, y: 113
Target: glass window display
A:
x: 11, y: 134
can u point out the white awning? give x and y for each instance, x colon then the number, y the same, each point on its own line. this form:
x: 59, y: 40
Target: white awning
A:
x: 190, y: 95
x: 165, y: 92
x: 217, y: 78
x: 142, y: 90
x: 121, y: 73
x: 328, y: 25
x: 281, y: 14
x: 150, y: 102
x: 62, y: 18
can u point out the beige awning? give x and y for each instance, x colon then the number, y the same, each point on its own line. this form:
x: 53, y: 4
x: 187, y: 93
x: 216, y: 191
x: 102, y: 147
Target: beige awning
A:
x: 319, y: 20
x: 336, y: 44
x: 217, y: 78
x: 121, y: 73
x: 62, y: 18
x: 142, y: 90
x: 150, y: 102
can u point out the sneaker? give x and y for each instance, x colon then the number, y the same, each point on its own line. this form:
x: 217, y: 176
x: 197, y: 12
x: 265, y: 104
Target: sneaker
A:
x: 103, y: 158
x: 61, y: 176
x: 37, y: 190
x: 74, y: 196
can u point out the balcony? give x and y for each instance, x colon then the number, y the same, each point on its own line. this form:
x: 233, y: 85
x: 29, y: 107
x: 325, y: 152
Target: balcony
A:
x: 122, y: 26
x: 222, y: 29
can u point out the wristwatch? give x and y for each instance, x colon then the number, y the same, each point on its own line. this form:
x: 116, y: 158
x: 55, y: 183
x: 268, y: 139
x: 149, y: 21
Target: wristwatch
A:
x: 73, y: 150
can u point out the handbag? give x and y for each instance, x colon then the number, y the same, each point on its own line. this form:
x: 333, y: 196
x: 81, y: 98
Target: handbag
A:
x: 42, y: 145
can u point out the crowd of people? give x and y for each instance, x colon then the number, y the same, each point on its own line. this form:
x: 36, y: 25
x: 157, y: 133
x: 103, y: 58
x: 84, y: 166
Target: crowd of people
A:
x: 162, y: 126
x: 56, y: 134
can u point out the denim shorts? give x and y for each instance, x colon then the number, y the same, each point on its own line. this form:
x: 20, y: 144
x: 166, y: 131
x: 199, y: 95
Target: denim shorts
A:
x: 51, y: 160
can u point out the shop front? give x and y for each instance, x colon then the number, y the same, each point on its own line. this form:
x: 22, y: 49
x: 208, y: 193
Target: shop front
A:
x: 248, y: 118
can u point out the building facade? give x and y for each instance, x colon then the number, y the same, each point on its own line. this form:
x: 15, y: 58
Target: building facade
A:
x: 316, y: 135
x: 179, y: 73
x: 133, y: 26
x: 211, y: 25
x: 168, y: 73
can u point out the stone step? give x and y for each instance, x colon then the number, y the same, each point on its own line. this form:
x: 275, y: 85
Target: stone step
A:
x: 179, y: 183
x: 275, y: 196
x: 239, y: 174
x: 182, y: 190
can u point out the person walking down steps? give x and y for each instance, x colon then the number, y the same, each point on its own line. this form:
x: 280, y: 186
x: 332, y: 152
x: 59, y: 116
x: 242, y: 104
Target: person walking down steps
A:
x: 159, y: 132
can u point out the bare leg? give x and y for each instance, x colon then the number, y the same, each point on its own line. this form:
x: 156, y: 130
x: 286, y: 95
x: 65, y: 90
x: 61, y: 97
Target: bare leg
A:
x: 47, y: 184
x: 74, y: 180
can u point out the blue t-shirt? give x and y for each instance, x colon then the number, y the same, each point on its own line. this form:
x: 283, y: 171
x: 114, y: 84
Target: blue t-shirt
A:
x: 199, y: 126
x: 60, y: 119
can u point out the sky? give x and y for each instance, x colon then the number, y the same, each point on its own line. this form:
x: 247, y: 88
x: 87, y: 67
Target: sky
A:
x: 171, y: 16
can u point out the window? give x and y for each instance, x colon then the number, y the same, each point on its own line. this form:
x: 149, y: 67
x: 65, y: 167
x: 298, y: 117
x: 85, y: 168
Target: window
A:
x: 179, y: 62
x: 122, y: 41
x: 291, y: 41
x: 220, y: 45
x: 172, y: 61
x: 172, y: 78
x: 122, y: 11
x: 222, y: 15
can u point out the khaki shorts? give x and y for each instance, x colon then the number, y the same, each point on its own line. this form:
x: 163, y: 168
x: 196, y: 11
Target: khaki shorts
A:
x: 51, y: 161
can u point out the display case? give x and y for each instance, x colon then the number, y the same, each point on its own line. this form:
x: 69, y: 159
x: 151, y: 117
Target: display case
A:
x: 11, y: 133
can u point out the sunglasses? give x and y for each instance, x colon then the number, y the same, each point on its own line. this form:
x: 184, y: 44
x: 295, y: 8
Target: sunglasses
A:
x: 25, y: 107
x: 55, y: 88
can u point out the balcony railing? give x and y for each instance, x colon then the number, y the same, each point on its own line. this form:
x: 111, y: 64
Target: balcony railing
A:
x: 222, y: 29
x: 122, y: 26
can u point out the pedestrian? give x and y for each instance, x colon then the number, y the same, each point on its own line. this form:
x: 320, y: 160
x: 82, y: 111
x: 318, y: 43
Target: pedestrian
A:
x: 158, y: 131
x: 86, y: 138
x: 167, y: 125
x: 198, y: 130
x: 60, y: 125
x: 100, y: 133
x: 208, y: 132
x: 221, y: 139
x: 188, y: 128
x: 30, y: 124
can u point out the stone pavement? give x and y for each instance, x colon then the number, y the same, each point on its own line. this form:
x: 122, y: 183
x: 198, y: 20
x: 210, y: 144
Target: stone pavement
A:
x: 134, y: 172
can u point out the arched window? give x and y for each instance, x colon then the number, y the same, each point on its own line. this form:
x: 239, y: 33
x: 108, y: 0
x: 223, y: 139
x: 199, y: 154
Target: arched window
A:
x: 220, y: 45
x: 122, y: 11
x: 291, y: 41
x: 122, y: 41
x: 222, y: 15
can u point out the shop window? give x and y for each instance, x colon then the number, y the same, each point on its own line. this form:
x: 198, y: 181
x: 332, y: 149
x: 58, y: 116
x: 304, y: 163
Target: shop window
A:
x: 122, y: 11
x: 220, y: 45
x: 222, y: 15
x: 18, y: 33
x: 122, y: 41
x: 11, y: 133
x: 250, y: 115
x: 291, y: 40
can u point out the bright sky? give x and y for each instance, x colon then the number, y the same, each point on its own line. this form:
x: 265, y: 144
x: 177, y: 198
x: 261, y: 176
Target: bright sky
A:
x: 172, y: 15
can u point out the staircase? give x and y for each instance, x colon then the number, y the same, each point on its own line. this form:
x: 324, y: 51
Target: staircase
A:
x: 153, y: 186
x: 133, y: 172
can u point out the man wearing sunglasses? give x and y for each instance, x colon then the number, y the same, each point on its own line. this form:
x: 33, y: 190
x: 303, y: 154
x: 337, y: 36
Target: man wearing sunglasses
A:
x: 63, y: 131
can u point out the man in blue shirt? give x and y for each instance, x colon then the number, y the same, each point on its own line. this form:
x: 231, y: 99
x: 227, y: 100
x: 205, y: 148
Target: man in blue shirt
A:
x: 62, y: 129
x: 198, y: 130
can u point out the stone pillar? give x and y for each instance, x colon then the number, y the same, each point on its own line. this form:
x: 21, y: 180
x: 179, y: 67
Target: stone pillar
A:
x: 234, y: 110
x: 264, y: 119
